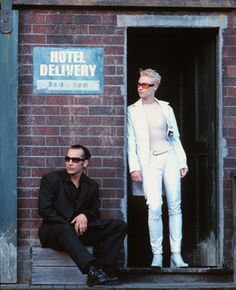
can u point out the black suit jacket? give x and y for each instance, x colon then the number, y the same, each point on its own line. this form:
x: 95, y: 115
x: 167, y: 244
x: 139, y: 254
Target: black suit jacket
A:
x: 56, y: 205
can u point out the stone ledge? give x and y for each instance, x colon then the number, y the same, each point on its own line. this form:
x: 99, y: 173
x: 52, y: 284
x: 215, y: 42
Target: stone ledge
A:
x: 54, y: 267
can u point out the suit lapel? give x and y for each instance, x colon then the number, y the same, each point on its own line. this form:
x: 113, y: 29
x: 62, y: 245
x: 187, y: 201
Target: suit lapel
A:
x: 83, y: 194
x: 66, y: 180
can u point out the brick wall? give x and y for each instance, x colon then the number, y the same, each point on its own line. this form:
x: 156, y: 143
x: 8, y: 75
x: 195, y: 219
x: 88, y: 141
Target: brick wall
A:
x: 48, y: 124
x: 229, y: 131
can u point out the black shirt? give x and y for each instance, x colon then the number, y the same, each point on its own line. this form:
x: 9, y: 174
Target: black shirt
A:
x: 73, y: 190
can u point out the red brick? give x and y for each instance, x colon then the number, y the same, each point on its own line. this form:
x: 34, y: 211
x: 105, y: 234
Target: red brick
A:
x: 88, y: 100
x: 113, y: 60
x: 231, y: 60
x: 230, y: 162
x: 27, y: 204
x: 39, y: 172
x: 31, y: 120
x: 23, y: 234
x: 74, y: 130
x: 34, y: 214
x: 23, y: 172
x: 34, y: 39
x: 102, y: 29
x: 45, y: 130
x: 25, y: 28
x: 69, y: 110
x: 59, y: 18
x: 110, y: 203
x: 88, y: 39
x: 109, y: 19
x: 104, y: 173
x: 24, y: 213
x: 32, y: 18
x: 113, y: 40
x: 58, y: 100
x: 28, y: 182
x: 59, y: 39
x: 114, y: 50
x: 113, y: 101
x: 45, y: 151
x: 88, y: 19
x: 55, y: 162
x: 231, y: 71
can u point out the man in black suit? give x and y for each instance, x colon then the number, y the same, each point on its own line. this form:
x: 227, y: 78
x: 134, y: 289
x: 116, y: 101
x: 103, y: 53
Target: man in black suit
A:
x: 69, y: 205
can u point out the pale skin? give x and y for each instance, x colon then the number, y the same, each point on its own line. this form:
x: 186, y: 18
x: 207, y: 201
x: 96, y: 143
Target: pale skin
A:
x: 147, y: 96
x: 75, y: 170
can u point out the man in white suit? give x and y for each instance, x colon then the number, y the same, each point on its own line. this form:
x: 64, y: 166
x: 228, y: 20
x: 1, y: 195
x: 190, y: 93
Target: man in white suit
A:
x: 156, y: 157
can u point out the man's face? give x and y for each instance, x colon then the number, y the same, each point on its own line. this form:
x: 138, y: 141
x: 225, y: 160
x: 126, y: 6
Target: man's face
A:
x: 75, y: 162
x: 146, y: 93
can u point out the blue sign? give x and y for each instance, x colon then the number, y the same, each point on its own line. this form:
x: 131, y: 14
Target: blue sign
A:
x: 59, y: 70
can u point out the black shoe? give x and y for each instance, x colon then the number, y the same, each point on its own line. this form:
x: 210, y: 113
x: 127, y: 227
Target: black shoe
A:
x: 97, y: 277
x: 113, y: 280
x: 112, y: 274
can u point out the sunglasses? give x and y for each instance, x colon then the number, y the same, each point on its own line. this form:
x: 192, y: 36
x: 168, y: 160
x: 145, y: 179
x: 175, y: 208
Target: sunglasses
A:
x: 144, y: 85
x: 73, y: 159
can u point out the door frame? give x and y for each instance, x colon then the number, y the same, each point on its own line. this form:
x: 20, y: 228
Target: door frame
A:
x: 209, y: 21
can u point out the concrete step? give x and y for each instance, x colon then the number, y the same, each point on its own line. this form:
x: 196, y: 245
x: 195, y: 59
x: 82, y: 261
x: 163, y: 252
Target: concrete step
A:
x: 124, y: 286
x: 177, y: 275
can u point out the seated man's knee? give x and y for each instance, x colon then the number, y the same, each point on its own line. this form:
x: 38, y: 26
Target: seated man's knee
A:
x: 119, y: 225
x: 67, y: 230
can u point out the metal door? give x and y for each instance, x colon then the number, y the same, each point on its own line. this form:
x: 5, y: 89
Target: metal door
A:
x: 8, y: 143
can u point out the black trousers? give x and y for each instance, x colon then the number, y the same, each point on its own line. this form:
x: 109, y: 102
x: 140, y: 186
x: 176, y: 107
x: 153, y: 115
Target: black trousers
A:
x: 108, y: 237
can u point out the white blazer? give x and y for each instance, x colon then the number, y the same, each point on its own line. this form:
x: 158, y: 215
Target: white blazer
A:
x: 138, y: 138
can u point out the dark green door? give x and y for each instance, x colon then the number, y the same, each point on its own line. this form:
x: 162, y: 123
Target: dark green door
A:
x: 8, y: 153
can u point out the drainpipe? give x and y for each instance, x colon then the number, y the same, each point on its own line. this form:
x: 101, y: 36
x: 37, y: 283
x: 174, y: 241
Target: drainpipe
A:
x: 6, y: 17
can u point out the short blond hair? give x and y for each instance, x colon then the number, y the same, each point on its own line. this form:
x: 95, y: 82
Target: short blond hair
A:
x: 151, y: 73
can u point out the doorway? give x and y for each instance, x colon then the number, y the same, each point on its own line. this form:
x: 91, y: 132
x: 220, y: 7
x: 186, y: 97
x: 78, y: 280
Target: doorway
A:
x: 186, y: 60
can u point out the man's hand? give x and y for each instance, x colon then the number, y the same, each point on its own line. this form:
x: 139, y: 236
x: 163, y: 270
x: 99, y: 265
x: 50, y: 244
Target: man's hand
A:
x: 80, y: 223
x: 136, y: 176
x: 183, y: 172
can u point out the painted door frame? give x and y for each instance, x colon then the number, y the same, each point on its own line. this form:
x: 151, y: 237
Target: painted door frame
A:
x: 209, y: 21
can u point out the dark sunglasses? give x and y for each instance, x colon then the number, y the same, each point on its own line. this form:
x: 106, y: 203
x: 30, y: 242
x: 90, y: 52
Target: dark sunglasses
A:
x: 73, y: 159
x: 144, y: 85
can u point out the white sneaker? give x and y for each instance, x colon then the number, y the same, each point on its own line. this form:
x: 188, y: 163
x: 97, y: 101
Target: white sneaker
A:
x: 176, y: 261
x: 157, y: 261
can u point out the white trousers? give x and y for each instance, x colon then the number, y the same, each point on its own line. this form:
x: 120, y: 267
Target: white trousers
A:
x: 163, y: 170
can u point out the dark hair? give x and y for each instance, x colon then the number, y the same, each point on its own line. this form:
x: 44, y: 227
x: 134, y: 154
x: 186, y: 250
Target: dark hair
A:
x: 87, y: 153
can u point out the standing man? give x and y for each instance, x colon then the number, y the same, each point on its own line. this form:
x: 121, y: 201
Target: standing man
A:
x: 69, y: 205
x: 156, y: 157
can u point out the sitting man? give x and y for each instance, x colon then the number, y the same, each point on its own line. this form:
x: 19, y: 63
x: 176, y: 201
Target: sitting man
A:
x: 69, y: 205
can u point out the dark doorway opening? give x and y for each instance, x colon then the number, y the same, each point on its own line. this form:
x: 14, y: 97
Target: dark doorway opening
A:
x: 186, y: 60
